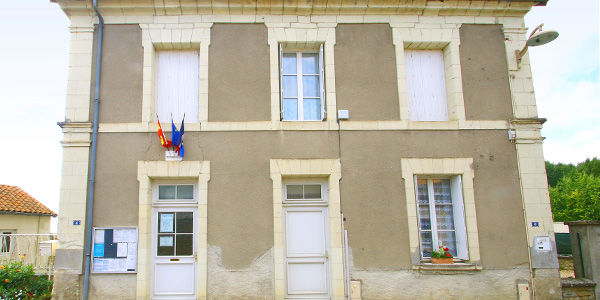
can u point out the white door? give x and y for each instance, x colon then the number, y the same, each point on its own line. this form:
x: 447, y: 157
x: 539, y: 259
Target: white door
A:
x: 307, y: 266
x: 174, y: 253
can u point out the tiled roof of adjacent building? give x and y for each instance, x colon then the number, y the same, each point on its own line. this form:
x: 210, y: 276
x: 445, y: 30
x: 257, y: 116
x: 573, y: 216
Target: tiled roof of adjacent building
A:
x: 14, y: 200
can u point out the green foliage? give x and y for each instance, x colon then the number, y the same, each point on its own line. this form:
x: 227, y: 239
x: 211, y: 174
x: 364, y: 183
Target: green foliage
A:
x: 443, y: 252
x: 18, y: 281
x: 590, y: 167
x: 557, y: 171
x: 576, y: 194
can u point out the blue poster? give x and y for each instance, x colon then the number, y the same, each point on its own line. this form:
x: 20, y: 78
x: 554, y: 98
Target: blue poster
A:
x: 99, y: 250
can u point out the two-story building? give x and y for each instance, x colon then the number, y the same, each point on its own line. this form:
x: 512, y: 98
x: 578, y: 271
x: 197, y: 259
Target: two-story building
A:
x: 330, y: 148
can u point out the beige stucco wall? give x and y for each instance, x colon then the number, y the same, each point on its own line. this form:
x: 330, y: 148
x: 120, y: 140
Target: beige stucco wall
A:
x: 485, y: 72
x: 365, y: 68
x: 25, y: 224
x: 239, y: 84
x: 121, y: 74
x: 373, y: 198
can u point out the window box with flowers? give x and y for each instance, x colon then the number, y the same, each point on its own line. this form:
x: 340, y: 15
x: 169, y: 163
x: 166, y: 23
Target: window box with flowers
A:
x: 442, y: 256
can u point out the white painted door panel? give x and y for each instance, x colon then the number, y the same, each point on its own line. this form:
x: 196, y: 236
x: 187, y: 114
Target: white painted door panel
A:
x: 306, y: 233
x: 307, y: 278
x: 174, y: 279
x: 307, y: 265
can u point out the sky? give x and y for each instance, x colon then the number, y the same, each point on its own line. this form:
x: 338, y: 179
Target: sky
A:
x: 34, y: 47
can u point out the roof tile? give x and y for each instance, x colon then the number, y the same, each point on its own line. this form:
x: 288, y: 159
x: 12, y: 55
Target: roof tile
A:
x: 14, y: 200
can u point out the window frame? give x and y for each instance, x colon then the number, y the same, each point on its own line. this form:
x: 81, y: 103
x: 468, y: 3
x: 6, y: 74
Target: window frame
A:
x: 6, y: 241
x: 460, y: 230
x: 157, y: 201
x: 321, y: 200
x: 299, y: 74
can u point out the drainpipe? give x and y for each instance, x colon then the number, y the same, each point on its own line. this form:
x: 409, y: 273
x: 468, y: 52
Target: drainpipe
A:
x: 90, y: 204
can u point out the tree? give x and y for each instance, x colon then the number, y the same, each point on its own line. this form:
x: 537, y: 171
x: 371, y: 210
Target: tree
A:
x: 557, y: 171
x: 576, y: 197
x: 590, y: 166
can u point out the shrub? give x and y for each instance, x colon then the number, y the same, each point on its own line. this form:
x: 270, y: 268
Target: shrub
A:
x: 18, y: 281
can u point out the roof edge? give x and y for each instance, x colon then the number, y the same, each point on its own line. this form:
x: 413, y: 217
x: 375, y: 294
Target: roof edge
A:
x: 5, y: 212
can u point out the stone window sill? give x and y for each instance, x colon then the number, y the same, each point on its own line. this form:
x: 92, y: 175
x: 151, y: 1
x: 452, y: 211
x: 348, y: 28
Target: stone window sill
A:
x: 428, y: 268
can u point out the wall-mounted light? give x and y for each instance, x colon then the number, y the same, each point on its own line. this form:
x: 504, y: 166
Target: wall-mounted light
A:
x: 538, y: 37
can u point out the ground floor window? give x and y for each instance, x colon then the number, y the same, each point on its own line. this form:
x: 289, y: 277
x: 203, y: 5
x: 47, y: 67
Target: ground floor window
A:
x: 441, y: 215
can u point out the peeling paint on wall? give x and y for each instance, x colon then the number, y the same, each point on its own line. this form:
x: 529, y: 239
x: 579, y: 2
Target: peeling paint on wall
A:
x: 254, y: 282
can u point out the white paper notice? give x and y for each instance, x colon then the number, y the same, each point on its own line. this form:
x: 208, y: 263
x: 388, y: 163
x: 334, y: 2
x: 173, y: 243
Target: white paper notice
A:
x: 166, y: 241
x: 132, y: 249
x: 122, y: 265
x: 99, y: 236
x: 131, y: 236
x: 166, y: 223
x: 118, y: 235
x: 113, y: 265
x: 121, y: 249
x: 98, y: 264
x: 105, y: 264
x: 131, y: 257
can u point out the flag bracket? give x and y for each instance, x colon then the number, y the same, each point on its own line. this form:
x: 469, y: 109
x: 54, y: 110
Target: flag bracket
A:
x: 172, y: 156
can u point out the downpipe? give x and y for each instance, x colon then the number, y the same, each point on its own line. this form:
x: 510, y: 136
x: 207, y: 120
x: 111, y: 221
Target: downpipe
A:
x: 90, y: 204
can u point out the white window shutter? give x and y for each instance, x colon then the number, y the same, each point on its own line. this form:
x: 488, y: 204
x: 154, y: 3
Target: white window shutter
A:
x: 426, y: 85
x: 462, y: 248
x: 177, y: 76
x: 322, y: 82
x: 281, y: 82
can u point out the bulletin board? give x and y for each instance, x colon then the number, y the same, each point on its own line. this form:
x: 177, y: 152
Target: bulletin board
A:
x: 115, y: 250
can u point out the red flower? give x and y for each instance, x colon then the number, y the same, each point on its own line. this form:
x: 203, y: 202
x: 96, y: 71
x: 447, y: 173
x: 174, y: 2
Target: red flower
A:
x: 446, y: 249
x: 448, y: 254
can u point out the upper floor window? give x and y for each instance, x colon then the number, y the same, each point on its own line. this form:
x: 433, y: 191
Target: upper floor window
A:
x: 177, y: 81
x: 302, y: 85
x: 441, y: 216
x: 426, y: 85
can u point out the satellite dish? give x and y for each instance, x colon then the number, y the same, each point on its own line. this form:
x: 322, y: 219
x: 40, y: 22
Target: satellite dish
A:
x: 542, y: 37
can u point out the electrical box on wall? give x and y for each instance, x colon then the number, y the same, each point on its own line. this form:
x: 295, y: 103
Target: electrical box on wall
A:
x: 48, y: 248
x: 512, y: 135
x: 343, y: 114
x: 542, y: 243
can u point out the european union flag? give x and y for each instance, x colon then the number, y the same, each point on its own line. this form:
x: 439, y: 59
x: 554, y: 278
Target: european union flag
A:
x: 177, y: 136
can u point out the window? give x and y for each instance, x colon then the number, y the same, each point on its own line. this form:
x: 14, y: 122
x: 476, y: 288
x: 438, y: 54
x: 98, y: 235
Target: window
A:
x: 175, y: 193
x: 441, y: 215
x: 426, y: 85
x: 5, y: 241
x: 297, y: 192
x: 175, y: 234
x: 177, y: 85
x: 302, y: 85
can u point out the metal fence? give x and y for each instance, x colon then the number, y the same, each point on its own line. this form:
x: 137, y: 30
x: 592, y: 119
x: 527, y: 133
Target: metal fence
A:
x: 25, y: 248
